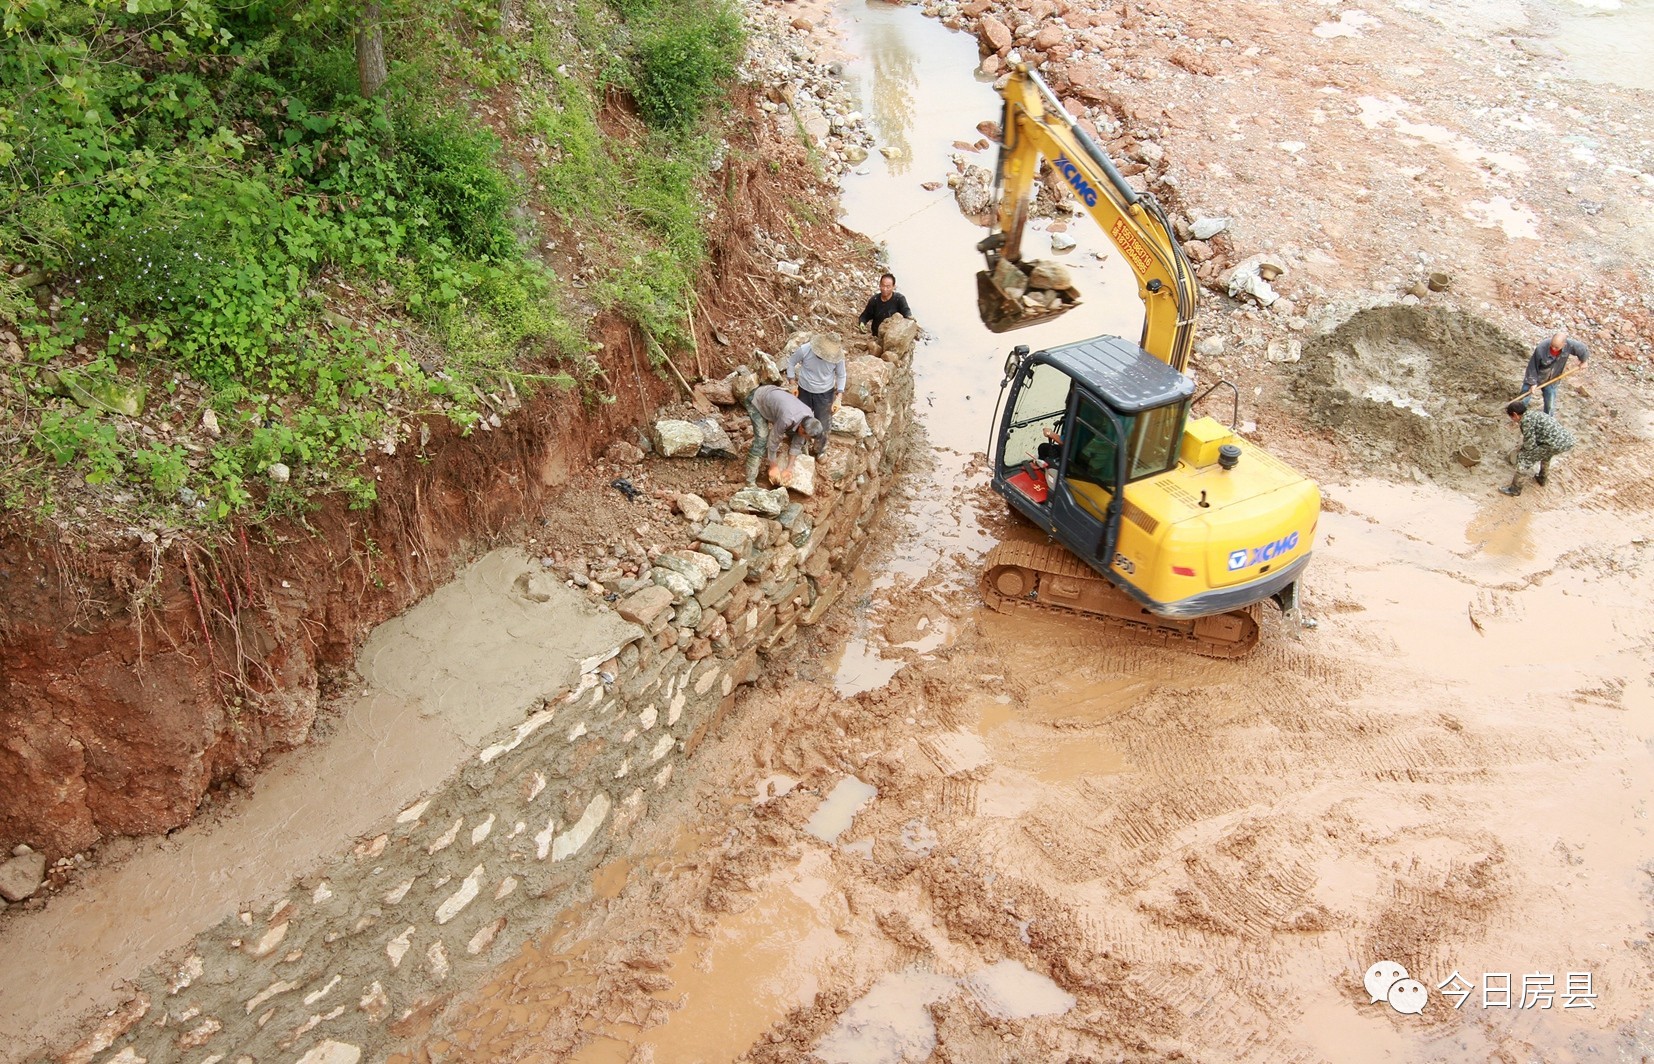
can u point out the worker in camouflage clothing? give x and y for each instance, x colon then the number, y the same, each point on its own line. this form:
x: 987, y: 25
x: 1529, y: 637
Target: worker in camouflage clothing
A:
x: 1543, y: 438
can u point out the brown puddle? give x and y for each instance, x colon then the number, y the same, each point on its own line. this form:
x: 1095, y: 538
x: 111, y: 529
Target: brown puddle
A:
x: 729, y: 987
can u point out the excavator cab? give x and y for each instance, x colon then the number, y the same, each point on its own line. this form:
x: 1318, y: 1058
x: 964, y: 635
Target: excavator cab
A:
x: 1120, y: 415
x: 1157, y: 519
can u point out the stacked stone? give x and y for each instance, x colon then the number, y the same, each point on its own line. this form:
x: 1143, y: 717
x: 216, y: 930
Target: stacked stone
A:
x: 350, y: 959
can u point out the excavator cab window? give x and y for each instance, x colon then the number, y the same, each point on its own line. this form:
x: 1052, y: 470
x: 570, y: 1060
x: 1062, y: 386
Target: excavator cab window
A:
x: 1152, y: 439
x: 1041, y: 401
x: 1155, y: 435
x: 1093, y: 446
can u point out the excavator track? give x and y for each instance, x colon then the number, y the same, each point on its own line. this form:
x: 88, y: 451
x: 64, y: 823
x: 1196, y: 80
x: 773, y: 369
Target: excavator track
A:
x: 1047, y: 577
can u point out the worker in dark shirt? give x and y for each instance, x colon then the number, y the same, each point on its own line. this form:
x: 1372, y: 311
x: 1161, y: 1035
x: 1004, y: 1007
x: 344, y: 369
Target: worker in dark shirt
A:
x: 885, y: 303
x: 1550, y: 359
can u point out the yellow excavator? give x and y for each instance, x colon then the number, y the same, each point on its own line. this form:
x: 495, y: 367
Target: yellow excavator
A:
x: 1169, y: 524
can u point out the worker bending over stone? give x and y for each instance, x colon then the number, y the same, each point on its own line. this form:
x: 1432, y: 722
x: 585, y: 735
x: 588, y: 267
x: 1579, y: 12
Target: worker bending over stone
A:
x: 782, y: 426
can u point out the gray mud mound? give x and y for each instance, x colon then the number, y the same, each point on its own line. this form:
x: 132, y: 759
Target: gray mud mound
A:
x: 1412, y: 388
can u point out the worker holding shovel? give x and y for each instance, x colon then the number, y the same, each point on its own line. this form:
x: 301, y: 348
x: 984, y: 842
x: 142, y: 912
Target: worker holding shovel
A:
x: 1549, y: 364
x: 1543, y: 438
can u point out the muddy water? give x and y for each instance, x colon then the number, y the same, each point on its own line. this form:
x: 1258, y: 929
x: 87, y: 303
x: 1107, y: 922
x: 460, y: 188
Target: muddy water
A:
x: 1455, y: 768
x: 1609, y: 41
x: 915, y: 82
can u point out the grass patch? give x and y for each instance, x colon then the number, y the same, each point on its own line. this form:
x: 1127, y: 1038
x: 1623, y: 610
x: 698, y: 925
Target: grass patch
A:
x: 227, y: 260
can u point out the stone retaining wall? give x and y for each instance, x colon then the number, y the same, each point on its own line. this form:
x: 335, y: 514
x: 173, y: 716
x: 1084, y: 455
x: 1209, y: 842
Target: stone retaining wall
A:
x: 356, y: 954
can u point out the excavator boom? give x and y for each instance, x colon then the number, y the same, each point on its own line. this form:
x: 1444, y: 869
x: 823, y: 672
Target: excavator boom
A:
x: 1034, y: 126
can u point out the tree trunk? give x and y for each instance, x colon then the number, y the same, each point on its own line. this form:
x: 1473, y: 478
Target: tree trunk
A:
x: 370, y: 52
x: 508, y: 16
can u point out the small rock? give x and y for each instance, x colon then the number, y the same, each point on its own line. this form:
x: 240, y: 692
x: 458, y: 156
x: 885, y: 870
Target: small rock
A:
x: 209, y: 423
x: 1050, y: 276
x: 1285, y: 350
x: 1207, y: 228
x: 623, y: 453
x: 691, y: 506
x: 1210, y: 347
x: 279, y: 472
x: 1062, y: 242
x: 22, y: 875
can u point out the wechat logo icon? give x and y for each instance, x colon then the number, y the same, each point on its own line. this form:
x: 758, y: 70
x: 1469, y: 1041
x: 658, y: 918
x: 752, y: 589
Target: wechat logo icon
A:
x: 1388, y: 981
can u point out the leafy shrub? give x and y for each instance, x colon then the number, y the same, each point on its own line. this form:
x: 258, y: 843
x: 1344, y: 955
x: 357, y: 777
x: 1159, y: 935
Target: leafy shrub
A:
x: 449, y: 171
x: 683, y: 53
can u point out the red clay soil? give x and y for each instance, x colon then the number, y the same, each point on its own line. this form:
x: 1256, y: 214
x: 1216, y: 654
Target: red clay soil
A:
x: 136, y: 676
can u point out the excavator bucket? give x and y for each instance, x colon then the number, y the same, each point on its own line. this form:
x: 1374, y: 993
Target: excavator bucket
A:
x: 1005, y: 300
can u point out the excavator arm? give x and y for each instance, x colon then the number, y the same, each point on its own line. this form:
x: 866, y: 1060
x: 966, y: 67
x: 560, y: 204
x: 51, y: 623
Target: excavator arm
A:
x: 1035, y: 125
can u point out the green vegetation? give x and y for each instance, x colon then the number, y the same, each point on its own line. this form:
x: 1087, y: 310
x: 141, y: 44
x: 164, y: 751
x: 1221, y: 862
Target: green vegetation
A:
x: 203, y: 217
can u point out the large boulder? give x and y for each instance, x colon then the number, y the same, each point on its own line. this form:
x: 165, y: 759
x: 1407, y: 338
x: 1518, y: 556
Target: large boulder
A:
x: 996, y: 36
x: 973, y: 190
x: 897, y: 335
x: 676, y: 439
x: 752, y: 527
x: 715, y: 442
x: 848, y: 421
x: 1051, y: 275
x: 22, y: 875
x: 692, y: 506
x: 719, y: 392
x: 675, y: 582
x: 758, y: 501
x: 866, y: 380
x: 836, y: 465
x: 801, y: 475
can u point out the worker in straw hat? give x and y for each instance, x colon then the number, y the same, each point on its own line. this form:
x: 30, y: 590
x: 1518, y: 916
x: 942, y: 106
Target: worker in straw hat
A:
x: 816, y: 374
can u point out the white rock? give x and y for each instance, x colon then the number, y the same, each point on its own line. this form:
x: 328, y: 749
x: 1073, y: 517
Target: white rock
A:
x: 22, y: 875
x: 677, y: 439
x: 1207, y: 228
x: 848, y: 421
x: 462, y: 897
x: 331, y: 1052
x: 575, y: 838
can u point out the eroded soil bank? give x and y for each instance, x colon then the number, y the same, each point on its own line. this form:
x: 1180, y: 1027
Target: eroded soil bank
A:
x: 142, y: 672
